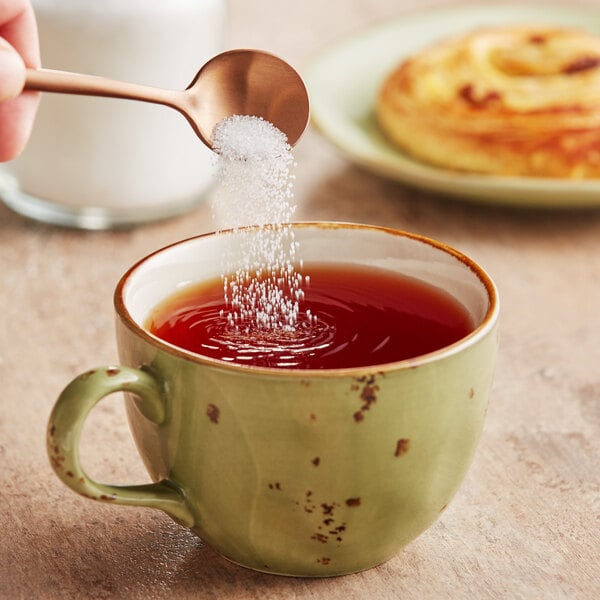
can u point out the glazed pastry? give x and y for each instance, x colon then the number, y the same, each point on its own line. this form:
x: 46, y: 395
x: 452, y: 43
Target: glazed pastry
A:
x: 516, y: 100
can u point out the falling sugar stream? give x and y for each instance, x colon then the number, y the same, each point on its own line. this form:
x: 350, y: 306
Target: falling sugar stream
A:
x: 262, y: 286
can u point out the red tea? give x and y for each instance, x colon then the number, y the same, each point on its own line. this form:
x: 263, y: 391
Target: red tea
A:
x: 364, y: 316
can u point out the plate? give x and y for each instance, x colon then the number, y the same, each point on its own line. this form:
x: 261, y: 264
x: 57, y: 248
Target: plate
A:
x: 344, y: 79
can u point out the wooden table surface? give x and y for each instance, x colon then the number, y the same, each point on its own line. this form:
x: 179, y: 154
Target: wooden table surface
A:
x: 525, y: 523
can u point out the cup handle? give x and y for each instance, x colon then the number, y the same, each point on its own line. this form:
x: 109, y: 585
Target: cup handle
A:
x: 64, y: 430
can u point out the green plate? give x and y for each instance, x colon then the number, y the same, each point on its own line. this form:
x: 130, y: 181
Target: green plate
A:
x: 344, y: 79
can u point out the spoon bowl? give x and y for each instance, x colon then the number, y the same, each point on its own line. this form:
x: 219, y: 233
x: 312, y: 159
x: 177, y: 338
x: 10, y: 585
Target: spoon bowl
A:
x: 253, y: 83
x: 236, y: 82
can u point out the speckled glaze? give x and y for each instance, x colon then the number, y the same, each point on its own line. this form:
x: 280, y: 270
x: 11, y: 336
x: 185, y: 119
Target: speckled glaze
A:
x: 295, y: 472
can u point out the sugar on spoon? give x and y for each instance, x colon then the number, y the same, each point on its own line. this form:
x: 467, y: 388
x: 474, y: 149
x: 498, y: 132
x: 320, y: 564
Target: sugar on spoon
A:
x: 236, y: 82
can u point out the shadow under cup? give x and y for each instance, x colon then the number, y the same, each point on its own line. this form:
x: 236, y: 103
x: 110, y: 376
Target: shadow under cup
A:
x: 270, y: 466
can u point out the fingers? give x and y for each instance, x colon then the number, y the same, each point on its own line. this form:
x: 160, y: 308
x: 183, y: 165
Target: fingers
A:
x: 12, y: 72
x: 18, y: 48
x: 19, y: 29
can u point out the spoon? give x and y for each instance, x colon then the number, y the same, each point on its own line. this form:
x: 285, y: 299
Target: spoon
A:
x: 236, y: 82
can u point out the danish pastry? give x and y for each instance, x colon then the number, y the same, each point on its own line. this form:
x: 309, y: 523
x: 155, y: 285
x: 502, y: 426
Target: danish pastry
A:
x: 514, y: 100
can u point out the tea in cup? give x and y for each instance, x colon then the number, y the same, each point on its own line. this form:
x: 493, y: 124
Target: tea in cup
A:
x: 318, y: 452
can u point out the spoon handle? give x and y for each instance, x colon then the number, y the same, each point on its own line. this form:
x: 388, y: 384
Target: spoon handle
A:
x: 64, y: 82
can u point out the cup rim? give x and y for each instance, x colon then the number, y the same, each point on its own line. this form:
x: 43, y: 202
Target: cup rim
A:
x: 479, y: 332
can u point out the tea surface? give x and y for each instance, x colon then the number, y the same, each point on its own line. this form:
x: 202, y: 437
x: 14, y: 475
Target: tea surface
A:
x: 351, y: 316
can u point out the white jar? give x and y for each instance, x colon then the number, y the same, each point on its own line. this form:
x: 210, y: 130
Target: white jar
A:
x: 99, y: 162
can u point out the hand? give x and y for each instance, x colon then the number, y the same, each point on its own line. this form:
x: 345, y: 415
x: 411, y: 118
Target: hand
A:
x: 18, y: 48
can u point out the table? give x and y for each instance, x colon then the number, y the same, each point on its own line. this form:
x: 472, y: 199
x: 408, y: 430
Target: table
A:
x: 525, y: 523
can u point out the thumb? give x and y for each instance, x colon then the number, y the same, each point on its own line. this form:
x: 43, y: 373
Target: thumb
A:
x: 12, y: 72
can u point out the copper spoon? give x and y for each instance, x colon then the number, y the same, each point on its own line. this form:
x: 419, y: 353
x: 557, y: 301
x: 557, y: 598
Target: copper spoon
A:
x: 237, y: 82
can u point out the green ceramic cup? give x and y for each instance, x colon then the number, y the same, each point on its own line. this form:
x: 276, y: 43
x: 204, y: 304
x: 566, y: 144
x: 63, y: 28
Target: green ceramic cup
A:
x: 272, y: 467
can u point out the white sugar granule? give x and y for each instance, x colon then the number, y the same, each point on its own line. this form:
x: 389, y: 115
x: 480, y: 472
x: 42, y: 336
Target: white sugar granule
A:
x: 254, y: 175
x: 249, y: 138
x: 254, y: 187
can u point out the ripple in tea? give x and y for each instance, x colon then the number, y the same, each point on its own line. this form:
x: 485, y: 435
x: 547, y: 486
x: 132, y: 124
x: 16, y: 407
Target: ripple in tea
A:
x: 367, y: 317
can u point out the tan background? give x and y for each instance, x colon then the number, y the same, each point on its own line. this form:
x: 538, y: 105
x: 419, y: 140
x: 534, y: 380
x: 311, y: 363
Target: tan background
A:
x: 526, y: 523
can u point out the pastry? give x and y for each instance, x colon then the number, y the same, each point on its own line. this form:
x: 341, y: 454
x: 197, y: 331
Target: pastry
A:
x: 513, y: 100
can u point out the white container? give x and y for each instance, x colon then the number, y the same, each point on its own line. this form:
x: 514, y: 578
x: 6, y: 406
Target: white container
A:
x: 97, y: 163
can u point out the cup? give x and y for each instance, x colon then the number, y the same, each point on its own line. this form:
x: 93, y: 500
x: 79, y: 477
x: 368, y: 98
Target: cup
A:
x: 270, y: 466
